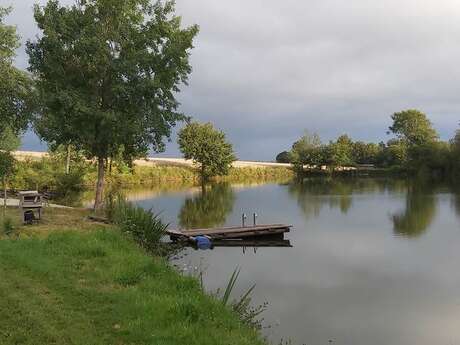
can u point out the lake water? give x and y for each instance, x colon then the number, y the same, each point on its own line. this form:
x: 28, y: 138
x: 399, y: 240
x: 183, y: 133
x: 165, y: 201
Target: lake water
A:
x: 374, y: 261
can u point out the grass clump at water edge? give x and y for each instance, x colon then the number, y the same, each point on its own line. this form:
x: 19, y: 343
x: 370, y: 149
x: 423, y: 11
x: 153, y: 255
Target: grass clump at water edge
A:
x: 144, y: 226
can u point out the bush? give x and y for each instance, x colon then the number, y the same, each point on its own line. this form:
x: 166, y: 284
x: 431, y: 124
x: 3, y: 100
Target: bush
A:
x: 283, y: 157
x: 70, y: 183
x: 144, y: 226
x: 7, y: 226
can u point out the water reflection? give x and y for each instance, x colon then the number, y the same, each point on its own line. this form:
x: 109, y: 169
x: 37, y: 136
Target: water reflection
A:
x: 315, y: 193
x: 207, y: 209
x: 456, y: 199
x: 421, y: 204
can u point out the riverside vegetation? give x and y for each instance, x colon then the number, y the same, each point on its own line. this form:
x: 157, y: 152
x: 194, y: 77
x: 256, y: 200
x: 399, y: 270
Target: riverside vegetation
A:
x: 49, y: 174
x: 415, y: 149
x: 108, y: 279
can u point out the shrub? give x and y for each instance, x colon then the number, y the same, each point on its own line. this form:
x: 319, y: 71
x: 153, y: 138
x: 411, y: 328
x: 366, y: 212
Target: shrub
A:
x: 144, y: 226
x: 7, y: 226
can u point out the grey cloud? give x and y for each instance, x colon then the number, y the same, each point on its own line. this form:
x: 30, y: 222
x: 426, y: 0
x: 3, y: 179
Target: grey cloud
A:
x: 264, y: 70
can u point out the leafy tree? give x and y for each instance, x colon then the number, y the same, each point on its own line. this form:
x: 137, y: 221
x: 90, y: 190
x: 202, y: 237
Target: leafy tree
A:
x: 341, y: 151
x: 365, y: 153
x: 207, y: 147
x: 15, y: 85
x: 396, y: 153
x: 283, y: 157
x: 306, y: 150
x: 8, y: 142
x: 413, y: 127
x: 107, y: 74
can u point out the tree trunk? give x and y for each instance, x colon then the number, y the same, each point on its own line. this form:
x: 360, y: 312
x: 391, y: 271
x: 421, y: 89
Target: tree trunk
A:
x: 67, y: 163
x: 100, y: 183
x: 203, y: 174
x: 4, y: 196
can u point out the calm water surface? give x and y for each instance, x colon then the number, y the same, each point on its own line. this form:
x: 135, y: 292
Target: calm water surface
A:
x: 373, y: 261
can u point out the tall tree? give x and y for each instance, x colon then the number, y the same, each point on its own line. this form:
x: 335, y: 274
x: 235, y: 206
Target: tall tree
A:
x: 413, y: 127
x: 207, y: 147
x: 107, y: 73
x: 15, y: 85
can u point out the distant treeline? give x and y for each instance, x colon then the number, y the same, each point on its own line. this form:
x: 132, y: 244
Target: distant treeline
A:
x: 415, y: 148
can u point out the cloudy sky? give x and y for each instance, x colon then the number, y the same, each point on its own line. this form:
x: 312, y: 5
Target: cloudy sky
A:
x: 266, y: 70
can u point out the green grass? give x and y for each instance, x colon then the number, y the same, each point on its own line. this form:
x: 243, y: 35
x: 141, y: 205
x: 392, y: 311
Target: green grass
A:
x: 98, y: 287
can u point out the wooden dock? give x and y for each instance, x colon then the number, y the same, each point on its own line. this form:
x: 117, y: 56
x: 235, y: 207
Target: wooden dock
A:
x: 234, y: 232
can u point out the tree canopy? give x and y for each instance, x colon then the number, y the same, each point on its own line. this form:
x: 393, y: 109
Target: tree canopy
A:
x: 15, y: 85
x: 413, y: 127
x: 107, y: 74
x: 207, y: 147
x: 306, y: 150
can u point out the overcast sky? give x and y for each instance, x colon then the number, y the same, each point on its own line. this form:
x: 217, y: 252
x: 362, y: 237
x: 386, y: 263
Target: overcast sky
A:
x: 266, y: 70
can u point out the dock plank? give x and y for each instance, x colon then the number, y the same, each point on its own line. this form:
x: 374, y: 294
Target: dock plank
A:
x: 232, y: 232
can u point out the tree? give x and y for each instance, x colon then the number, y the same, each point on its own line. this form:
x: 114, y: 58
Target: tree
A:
x: 365, y: 153
x: 8, y: 142
x: 413, y: 127
x: 396, y: 153
x: 107, y: 75
x: 15, y: 85
x: 7, y: 162
x: 306, y: 150
x: 207, y: 147
x: 341, y: 151
x: 283, y: 157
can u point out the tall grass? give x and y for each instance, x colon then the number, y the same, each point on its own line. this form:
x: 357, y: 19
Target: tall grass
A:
x: 48, y: 174
x: 7, y: 226
x: 144, y: 226
x: 242, y: 306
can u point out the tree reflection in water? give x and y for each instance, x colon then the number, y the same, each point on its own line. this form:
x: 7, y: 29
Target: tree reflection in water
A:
x: 313, y: 194
x: 421, y: 205
x: 209, y: 208
x: 456, y: 199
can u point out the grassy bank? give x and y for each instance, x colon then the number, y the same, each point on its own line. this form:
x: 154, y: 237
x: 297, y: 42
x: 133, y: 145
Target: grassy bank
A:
x: 97, y: 287
x: 48, y: 173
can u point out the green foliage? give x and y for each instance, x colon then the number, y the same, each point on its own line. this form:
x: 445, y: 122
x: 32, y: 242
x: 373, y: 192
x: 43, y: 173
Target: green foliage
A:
x: 7, y: 164
x: 145, y: 227
x: 395, y: 153
x: 7, y: 226
x: 242, y: 307
x: 413, y: 127
x: 9, y: 141
x: 341, y: 151
x: 283, y: 157
x: 365, y: 153
x: 107, y: 74
x: 48, y: 174
x: 15, y: 85
x: 207, y: 147
x: 306, y: 150
x: 416, y: 150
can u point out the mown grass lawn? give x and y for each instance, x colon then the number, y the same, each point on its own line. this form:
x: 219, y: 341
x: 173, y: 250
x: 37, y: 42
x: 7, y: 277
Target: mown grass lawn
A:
x: 97, y: 287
